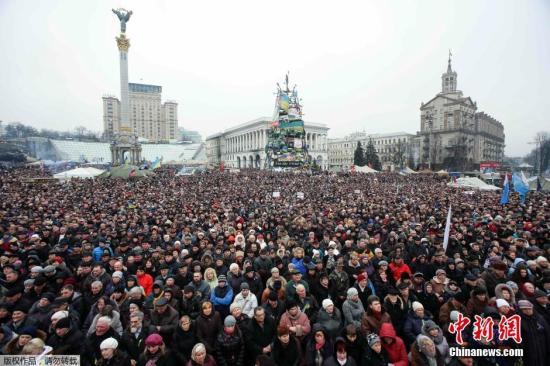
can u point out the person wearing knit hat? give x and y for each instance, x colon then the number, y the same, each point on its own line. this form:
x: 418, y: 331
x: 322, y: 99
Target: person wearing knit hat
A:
x: 373, y: 339
x: 230, y: 344
x: 222, y: 278
x: 414, y: 321
x: 374, y: 354
x: 296, y: 320
x: 326, y: 303
x: 525, y: 305
x: 501, y: 302
x: 109, y: 343
x: 352, y: 308
x: 63, y: 323
x: 154, y: 340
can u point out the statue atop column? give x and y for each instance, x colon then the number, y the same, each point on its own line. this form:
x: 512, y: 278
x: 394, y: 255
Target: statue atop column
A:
x: 124, y: 16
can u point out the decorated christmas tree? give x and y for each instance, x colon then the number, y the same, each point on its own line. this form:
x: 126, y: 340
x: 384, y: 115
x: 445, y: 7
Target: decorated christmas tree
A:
x: 286, y: 144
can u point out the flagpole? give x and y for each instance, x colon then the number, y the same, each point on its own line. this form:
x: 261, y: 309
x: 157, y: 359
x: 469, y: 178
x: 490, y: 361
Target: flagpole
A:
x: 447, y: 229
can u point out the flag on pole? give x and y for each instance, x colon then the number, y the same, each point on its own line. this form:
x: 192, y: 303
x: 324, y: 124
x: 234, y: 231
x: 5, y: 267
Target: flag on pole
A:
x: 520, y: 186
x: 505, y: 191
x: 447, y: 229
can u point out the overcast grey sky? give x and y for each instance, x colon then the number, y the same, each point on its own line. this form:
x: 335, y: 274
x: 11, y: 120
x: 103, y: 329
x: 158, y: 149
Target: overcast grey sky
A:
x: 359, y: 65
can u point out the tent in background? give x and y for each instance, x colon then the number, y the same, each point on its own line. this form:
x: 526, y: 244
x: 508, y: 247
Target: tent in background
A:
x: 407, y: 170
x: 88, y: 172
x: 472, y: 183
x: 442, y: 172
x: 365, y: 169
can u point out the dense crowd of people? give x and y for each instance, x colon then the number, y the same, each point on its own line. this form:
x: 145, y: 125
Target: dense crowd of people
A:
x: 215, y: 269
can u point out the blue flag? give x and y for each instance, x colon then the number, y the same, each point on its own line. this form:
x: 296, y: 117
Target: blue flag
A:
x: 505, y: 191
x: 520, y: 187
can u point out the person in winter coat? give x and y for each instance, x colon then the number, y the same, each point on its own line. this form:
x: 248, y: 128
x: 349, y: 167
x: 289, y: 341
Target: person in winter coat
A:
x: 107, y: 310
x: 535, y: 335
x: 135, y: 334
x: 6, y: 335
x: 190, y: 303
x: 274, y: 307
x: 156, y: 353
x: 393, y: 345
x: 164, y: 318
x: 356, y: 344
x: 185, y: 337
x: 234, y: 277
x: 395, y: 306
x: 41, y: 310
x: 230, y: 344
x: 259, y: 334
x: 145, y: 280
x: 340, y: 355
x: 286, y: 349
x: 209, y: 324
x: 246, y: 300
x: 429, y: 299
x: 374, y: 317
x: 414, y: 322
x: 67, y: 339
x: 221, y: 296
x: 199, y: 357
x: 435, y: 333
x: 319, y: 347
x: 425, y: 353
x: 330, y: 318
x: 364, y: 287
x: 16, y: 345
x: 479, y: 299
x: 296, y: 320
x: 353, y: 308
x: 91, y: 345
x: 374, y: 354
x: 111, y: 355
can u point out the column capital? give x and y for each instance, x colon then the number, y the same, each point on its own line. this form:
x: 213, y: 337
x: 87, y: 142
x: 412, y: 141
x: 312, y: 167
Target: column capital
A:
x: 123, y: 43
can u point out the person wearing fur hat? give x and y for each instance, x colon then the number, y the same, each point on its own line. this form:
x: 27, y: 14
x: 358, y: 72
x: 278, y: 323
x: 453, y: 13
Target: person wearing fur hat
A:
x: 66, y: 338
x: 494, y: 276
x: 374, y: 316
x: 296, y: 320
x: 425, y: 353
x: 479, y: 299
x: 353, y: 308
x: 230, y: 344
x: 111, y: 355
x: 25, y: 334
x: 286, y: 349
x: 435, y: 333
x: 375, y: 354
x: 413, y: 324
x: 155, y: 353
x: 330, y: 318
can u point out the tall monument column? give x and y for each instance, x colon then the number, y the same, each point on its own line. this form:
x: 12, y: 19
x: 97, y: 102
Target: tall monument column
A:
x: 123, y: 44
x: 125, y: 148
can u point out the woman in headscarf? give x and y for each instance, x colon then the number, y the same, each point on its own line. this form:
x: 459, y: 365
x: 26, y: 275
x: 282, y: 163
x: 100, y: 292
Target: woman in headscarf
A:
x: 185, y: 337
x: 353, y: 308
x: 425, y: 353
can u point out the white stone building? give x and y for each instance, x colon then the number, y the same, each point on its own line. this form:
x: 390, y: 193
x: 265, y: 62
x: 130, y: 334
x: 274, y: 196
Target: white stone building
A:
x: 388, y: 146
x: 149, y: 117
x: 453, y: 134
x: 243, y: 146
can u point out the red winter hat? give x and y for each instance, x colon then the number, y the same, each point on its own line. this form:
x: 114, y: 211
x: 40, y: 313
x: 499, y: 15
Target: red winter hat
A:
x: 154, y: 340
x: 361, y: 277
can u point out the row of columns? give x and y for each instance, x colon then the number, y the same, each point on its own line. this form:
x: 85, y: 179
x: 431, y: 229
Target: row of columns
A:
x: 256, y: 140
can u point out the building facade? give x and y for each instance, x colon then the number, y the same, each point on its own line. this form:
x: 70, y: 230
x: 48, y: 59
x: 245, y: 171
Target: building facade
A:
x: 243, y: 146
x: 395, y: 150
x: 149, y: 118
x: 453, y: 134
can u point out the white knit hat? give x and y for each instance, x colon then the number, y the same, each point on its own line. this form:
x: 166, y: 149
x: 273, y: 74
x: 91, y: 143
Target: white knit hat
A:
x: 59, y: 315
x: 327, y: 303
x: 416, y: 306
x: 502, y: 302
x: 109, y: 343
